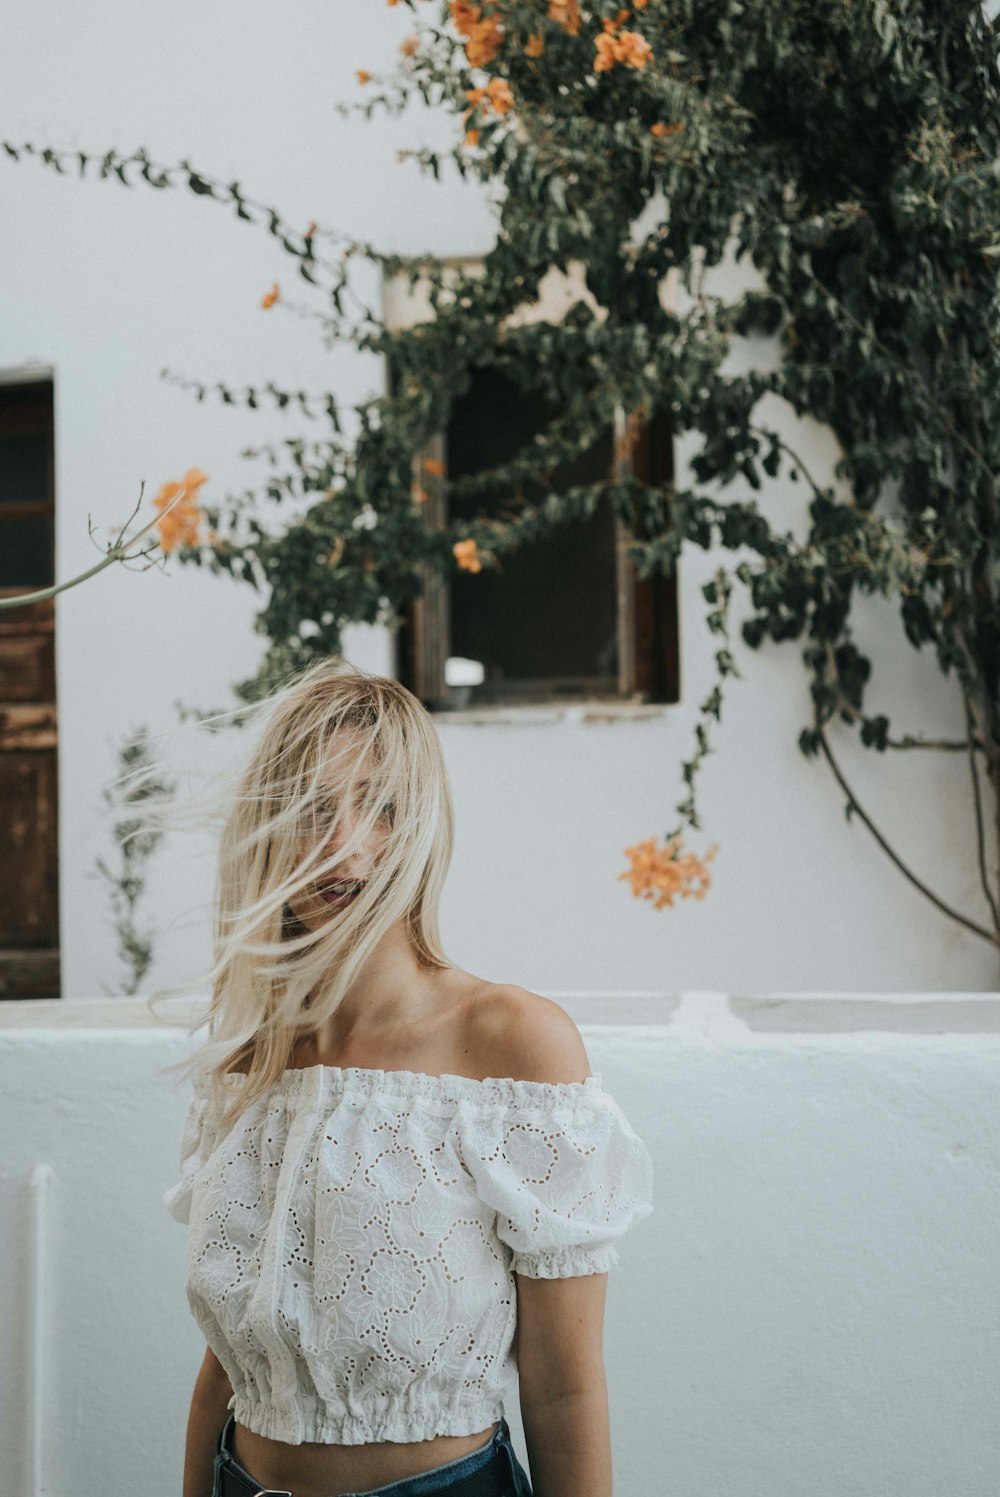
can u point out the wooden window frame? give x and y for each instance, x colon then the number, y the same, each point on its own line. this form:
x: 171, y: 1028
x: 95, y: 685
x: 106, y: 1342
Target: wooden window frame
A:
x: 646, y: 609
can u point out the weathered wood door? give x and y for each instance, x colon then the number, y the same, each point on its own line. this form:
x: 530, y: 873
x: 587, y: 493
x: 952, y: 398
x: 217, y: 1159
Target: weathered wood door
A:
x: 29, y: 907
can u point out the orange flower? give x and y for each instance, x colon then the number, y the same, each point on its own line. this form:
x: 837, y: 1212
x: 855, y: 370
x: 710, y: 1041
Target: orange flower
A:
x: 605, y: 58
x: 627, y: 47
x: 472, y: 137
x: 567, y: 14
x: 633, y: 50
x: 483, y: 43
x: 496, y: 95
x: 464, y: 15
x: 535, y: 45
x: 362, y: 75
x: 180, y: 526
x: 408, y: 46
x: 433, y: 466
x: 618, y: 21
x: 483, y: 34
x: 499, y: 94
x: 271, y: 296
x: 661, y: 874
x: 466, y: 556
x: 420, y: 496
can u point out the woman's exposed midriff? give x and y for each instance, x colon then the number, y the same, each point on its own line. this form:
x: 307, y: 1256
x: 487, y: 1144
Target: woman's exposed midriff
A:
x: 310, y: 1470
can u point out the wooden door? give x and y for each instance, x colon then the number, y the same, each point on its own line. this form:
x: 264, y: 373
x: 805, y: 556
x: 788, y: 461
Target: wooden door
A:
x: 29, y: 908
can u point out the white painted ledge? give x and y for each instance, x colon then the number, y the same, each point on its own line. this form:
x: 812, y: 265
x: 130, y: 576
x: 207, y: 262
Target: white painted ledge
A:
x: 701, y: 1012
x: 572, y: 713
x: 812, y: 1307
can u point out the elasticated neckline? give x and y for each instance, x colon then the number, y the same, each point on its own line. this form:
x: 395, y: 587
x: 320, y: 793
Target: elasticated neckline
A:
x: 370, y: 1081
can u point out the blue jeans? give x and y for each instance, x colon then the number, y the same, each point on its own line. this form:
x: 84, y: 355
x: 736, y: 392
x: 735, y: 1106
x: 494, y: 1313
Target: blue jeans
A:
x: 426, y: 1484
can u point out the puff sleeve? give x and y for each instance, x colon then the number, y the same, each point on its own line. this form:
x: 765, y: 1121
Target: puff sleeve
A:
x: 197, y: 1142
x: 565, y: 1172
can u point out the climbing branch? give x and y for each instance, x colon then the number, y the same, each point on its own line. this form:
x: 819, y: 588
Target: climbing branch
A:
x: 854, y: 805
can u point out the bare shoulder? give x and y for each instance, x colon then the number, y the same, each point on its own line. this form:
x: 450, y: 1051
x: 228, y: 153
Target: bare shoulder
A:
x: 520, y: 1034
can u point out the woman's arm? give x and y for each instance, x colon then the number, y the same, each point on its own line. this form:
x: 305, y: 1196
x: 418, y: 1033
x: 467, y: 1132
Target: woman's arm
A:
x: 560, y: 1322
x: 562, y: 1387
x: 209, y: 1412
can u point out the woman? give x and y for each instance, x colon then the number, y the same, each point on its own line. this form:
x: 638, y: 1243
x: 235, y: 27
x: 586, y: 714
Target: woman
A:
x: 402, y: 1183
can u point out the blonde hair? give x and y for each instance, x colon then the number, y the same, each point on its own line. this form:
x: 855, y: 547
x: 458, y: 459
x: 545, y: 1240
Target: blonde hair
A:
x: 272, y: 980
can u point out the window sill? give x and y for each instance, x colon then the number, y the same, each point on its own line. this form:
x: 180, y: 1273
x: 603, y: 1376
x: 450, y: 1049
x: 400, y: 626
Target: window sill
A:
x: 529, y: 713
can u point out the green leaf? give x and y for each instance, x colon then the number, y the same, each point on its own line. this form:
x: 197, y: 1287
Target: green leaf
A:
x: 197, y: 183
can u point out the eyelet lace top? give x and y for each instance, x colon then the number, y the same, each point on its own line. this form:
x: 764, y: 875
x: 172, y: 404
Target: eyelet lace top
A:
x: 353, y: 1237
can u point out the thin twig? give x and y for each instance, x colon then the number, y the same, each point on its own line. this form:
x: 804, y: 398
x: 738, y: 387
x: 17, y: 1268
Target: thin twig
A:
x: 946, y: 744
x: 117, y: 552
x: 979, y: 930
x: 980, y: 836
x: 908, y: 741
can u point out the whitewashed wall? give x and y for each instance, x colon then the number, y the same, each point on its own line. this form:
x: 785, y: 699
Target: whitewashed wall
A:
x: 811, y: 1310
x: 108, y: 286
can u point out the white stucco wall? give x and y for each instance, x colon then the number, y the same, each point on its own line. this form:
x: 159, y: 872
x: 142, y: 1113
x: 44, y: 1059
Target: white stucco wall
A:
x: 108, y: 286
x: 810, y: 1311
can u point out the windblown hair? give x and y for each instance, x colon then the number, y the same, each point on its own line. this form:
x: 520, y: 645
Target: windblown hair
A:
x: 272, y: 979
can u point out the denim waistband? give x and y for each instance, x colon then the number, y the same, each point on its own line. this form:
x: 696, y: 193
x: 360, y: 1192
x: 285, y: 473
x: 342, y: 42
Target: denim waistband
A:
x: 424, y: 1483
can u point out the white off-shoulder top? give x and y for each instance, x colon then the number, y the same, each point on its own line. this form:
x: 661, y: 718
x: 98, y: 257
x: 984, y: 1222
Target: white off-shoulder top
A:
x: 353, y: 1237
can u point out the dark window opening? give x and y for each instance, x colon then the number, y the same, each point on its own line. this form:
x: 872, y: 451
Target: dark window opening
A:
x: 544, y: 623
x: 27, y: 542
x: 29, y: 911
x: 563, y: 618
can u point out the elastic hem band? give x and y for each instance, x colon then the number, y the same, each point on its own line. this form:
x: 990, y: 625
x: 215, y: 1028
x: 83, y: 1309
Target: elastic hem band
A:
x: 314, y: 1423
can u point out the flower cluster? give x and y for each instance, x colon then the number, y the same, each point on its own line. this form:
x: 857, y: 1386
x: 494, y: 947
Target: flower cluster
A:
x: 615, y: 45
x: 180, y: 526
x: 662, y: 873
x: 481, y: 28
x: 483, y: 34
x: 496, y: 95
